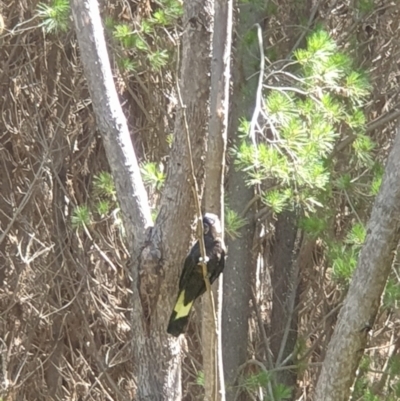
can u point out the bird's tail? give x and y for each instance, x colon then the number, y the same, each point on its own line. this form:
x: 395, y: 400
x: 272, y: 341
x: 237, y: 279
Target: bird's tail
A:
x: 180, y: 315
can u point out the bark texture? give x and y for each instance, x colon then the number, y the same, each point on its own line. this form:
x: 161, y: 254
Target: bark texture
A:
x: 361, y: 305
x: 162, y: 258
x: 157, y: 253
x: 111, y: 120
x: 284, y: 283
x: 214, y: 187
x: 238, y: 270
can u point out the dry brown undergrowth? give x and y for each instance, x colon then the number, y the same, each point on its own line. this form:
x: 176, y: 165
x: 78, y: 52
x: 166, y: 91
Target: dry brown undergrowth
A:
x: 64, y: 325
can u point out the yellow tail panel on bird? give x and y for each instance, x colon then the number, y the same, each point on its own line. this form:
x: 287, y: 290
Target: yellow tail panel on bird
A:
x: 180, y: 308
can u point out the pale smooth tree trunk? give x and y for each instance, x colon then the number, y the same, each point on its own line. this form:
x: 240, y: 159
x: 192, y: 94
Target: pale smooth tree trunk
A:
x: 111, y: 120
x: 214, y: 189
x: 361, y: 305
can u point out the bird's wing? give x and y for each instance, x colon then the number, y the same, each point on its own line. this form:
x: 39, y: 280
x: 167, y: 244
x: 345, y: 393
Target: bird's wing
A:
x: 190, y: 264
x: 219, y: 253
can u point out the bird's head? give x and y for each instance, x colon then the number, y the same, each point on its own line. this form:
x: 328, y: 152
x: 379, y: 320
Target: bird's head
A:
x: 212, y: 225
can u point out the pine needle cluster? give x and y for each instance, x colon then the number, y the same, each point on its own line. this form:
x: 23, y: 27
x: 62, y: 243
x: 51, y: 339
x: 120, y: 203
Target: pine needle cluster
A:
x: 301, y: 123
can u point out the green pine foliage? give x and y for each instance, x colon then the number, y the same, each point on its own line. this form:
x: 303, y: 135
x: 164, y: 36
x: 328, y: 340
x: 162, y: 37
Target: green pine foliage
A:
x: 255, y: 383
x: 200, y: 378
x: 365, y: 6
x: 153, y: 175
x: 391, y: 296
x: 126, y: 64
x: 103, y: 207
x: 126, y: 36
x: 364, y: 391
x: 233, y: 223
x: 377, y: 179
x: 80, y: 217
x: 54, y: 16
x: 343, y: 260
x: 343, y: 255
x: 295, y: 157
x: 103, y: 185
x: 281, y: 392
x: 158, y: 59
x: 313, y: 225
x: 104, y: 196
x: 356, y: 235
x: 277, y: 200
x: 252, y: 382
x: 146, y: 43
x: 302, y: 124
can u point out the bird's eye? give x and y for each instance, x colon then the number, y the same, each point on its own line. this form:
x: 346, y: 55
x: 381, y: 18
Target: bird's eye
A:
x: 206, y: 228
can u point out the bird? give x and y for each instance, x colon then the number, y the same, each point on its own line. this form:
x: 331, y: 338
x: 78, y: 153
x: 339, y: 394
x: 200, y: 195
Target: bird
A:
x: 191, y: 282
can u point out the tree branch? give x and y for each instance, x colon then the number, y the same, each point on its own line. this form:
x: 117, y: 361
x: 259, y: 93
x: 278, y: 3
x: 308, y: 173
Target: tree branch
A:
x: 214, y: 189
x: 111, y: 121
x: 363, y: 298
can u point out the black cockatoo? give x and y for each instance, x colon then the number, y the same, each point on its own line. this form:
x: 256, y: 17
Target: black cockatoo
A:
x: 191, y: 282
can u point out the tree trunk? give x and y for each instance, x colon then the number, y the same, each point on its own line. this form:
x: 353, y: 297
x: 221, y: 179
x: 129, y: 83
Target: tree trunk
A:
x: 214, y: 188
x: 361, y: 305
x: 284, y: 284
x: 162, y: 260
x: 237, y: 277
x: 111, y: 120
x: 158, y: 254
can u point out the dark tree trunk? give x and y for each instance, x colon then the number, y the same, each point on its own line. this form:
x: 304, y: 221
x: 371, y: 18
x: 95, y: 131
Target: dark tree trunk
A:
x: 284, y: 284
x: 238, y: 271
